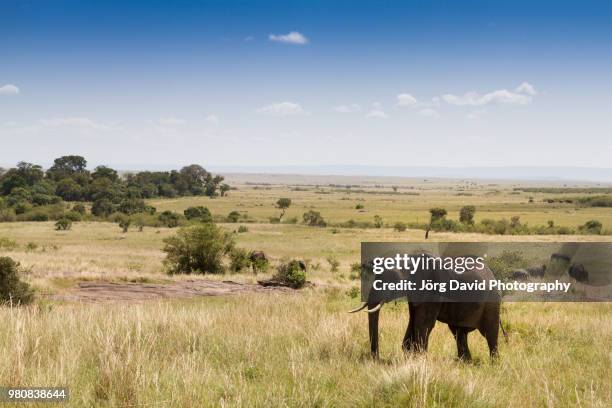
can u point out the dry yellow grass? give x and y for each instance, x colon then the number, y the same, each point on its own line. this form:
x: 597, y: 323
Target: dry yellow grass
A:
x: 301, y: 349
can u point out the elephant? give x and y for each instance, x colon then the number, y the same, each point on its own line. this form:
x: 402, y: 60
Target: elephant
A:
x: 462, y: 315
x: 258, y: 259
x: 537, y: 271
x: 520, y: 274
x: 578, y: 272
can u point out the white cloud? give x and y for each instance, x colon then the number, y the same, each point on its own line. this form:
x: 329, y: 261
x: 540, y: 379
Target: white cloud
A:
x: 212, y: 119
x: 477, y: 114
x: 377, y: 111
x: 406, y: 100
x: 171, y: 121
x: 282, y: 109
x: 522, y: 96
x: 347, y: 108
x: 526, y: 88
x: 431, y: 113
x: 74, y: 122
x: 293, y: 37
x: 9, y: 89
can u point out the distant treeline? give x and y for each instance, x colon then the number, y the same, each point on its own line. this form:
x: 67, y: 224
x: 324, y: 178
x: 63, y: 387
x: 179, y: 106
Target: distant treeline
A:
x: 28, y: 186
x: 566, y: 190
x: 588, y: 201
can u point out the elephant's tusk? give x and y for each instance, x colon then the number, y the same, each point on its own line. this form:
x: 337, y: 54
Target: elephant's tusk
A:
x: 363, y: 306
x: 377, y: 308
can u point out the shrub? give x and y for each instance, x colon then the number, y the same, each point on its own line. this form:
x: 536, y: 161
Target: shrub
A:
x: 359, y: 206
x: 282, y: 204
x: 503, y: 265
x: 242, y: 229
x: 12, y: 289
x: 333, y: 263
x: 233, y: 216
x: 63, y: 224
x: 199, y: 212
x: 291, y: 274
x: 466, y: 214
x: 591, y: 227
x: 314, y: 219
x: 7, y: 244
x: 197, y: 249
x: 378, y: 222
x: 239, y: 259
x: 399, y: 226
x: 124, y: 223
x: 169, y: 219
x: 73, y: 216
x: 79, y: 208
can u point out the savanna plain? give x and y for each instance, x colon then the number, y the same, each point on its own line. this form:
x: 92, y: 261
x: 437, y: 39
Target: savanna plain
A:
x: 293, y: 347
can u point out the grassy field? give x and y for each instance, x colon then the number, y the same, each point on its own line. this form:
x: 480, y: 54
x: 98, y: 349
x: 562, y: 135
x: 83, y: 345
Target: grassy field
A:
x: 297, y: 349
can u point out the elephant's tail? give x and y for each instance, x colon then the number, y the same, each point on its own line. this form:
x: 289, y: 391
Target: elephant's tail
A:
x: 503, y: 331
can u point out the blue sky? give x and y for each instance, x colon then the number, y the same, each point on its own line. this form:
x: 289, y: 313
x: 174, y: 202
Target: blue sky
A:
x: 455, y: 83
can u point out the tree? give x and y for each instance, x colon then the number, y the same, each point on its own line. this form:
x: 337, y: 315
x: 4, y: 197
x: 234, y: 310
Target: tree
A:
x: 197, y: 249
x: 466, y: 214
x: 107, y: 172
x: 283, y: 204
x: 224, y: 188
x: 437, y: 213
x: 70, y: 190
x: 67, y: 166
x: 102, y: 208
x: 233, y: 216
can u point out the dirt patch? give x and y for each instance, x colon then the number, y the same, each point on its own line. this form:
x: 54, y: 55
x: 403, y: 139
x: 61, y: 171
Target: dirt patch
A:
x: 105, y: 291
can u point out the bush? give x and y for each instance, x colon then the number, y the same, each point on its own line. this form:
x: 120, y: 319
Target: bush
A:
x: 73, y: 216
x: 314, y: 219
x: 333, y: 263
x: 291, y: 274
x: 169, y: 219
x: 466, y: 214
x: 503, y: 265
x: 201, y: 213
x: 399, y: 227
x: 359, y: 206
x: 63, y: 224
x: 233, y: 216
x: 7, y: 244
x: 591, y: 227
x: 12, y: 289
x: 378, y: 222
x: 242, y: 229
x: 197, y: 249
x: 239, y: 259
x: 79, y: 208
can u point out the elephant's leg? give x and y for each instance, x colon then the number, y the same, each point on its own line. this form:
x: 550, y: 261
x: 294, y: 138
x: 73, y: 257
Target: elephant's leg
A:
x: 463, y: 351
x: 408, y: 337
x: 423, y: 318
x: 373, y: 331
x: 490, y: 328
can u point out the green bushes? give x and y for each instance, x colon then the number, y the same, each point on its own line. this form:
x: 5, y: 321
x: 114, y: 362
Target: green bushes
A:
x: 12, y: 289
x: 197, y: 249
x: 399, y: 227
x: 7, y: 244
x: 503, y: 265
x: 233, y: 216
x: 239, y: 259
x: 291, y: 273
x: 169, y: 219
x: 198, y: 213
x: 593, y: 227
x: 63, y: 224
x: 314, y: 219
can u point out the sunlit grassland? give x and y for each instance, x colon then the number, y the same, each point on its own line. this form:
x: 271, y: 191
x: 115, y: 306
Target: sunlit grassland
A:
x: 299, y: 350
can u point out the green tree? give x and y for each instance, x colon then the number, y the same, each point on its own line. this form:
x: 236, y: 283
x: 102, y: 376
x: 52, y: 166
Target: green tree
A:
x: 199, y: 212
x: 224, y: 188
x: 437, y: 213
x: 283, y: 204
